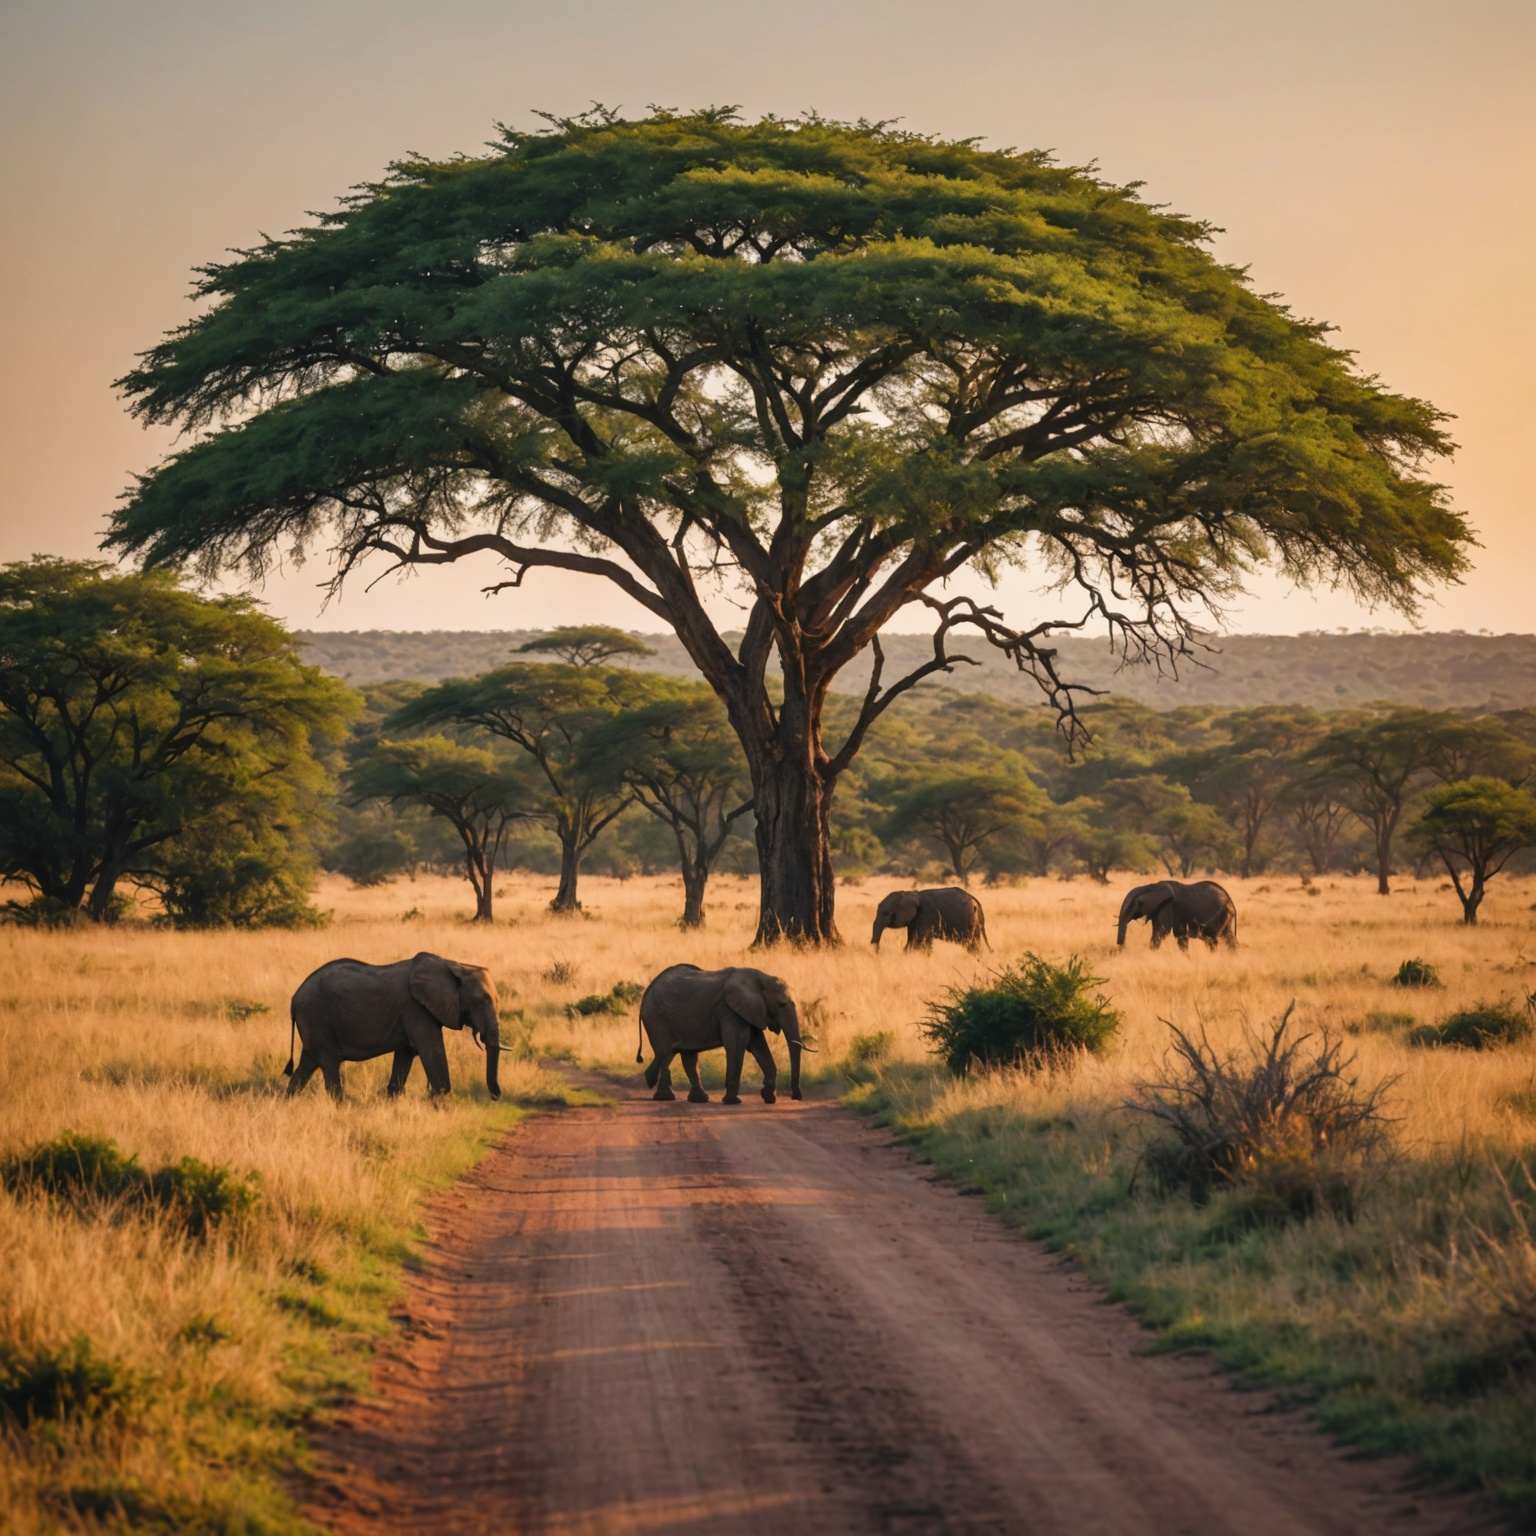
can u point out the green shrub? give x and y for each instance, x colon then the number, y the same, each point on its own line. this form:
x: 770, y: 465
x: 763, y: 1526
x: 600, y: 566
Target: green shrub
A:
x: 81, y: 1170
x: 201, y: 1195
x: 620, y: 999
x: 1416, y: 973
x: 1030, y: 1015
x: 865, y: 1054
x: 1483, y: 1028
x: 71, y: 1382
x: 75, y: 1169
x: 1289, y: 1130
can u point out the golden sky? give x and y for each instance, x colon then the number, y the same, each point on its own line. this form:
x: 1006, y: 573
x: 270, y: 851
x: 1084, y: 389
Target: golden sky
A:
x: 1372, y: 161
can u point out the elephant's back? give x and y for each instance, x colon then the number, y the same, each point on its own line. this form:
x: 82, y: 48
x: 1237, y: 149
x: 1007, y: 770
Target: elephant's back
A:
x: 672, y: 982
x: 344, y: 975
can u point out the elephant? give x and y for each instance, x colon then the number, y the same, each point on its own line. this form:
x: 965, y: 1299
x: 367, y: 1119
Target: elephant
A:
x: 686, y: 1010
x: 1202, y: 910
x: 943, y: 913
x: 351, y: 1011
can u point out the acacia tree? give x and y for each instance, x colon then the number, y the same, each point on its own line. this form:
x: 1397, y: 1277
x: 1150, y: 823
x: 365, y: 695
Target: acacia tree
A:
x: 479, y: 796
x: 585, y: 645
x: 549, y: 711
x: 1476, y: 826
x: 680, y: 759
x: 961, y: 813
x: 1374, y: 766
x: 1248, y: 777
x: 825, y: 366
x: 152, y: 737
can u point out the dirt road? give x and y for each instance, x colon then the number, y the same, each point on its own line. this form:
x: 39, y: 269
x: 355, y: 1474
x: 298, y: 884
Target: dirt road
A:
x: 668, y: 1317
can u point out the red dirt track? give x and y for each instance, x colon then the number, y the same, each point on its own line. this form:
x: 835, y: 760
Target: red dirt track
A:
x: 675, y: 1317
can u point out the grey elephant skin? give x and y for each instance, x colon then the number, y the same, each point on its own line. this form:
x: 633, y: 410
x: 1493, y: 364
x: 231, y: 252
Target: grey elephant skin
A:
x: 946, y: 912
x: 1201, y: 910
x: 351, y: 1011
x: 686, y: 1010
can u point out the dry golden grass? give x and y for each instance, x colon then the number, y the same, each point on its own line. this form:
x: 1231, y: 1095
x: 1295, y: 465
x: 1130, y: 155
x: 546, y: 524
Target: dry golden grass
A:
x: 147, y: 1037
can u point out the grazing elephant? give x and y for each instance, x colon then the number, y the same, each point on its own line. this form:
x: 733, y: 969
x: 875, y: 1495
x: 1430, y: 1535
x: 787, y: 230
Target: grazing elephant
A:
x: 1202, y: 910
x: 686, y: 1010
x: 349, y: 1011
x: 945, y: 913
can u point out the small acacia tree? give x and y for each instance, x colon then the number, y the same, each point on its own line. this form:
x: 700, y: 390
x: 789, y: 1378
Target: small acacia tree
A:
x: 550, y: 712
x: 1475, y: 827
x: 585, y: 645
x: 1374, y: 766
x: 828, y: 365
x: 959, y: 814
x: 681, y: 761
x: 478, y: 794
x: 152, y: 737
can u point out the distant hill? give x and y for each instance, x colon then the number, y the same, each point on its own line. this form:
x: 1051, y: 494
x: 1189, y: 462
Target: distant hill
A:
x: 1433, y: 670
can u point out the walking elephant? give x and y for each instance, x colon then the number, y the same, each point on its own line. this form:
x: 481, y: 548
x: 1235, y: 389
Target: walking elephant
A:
x: 686, y: 1010
x: 1202, y: 910
x: 350, y: 1011
x: 943, y: 913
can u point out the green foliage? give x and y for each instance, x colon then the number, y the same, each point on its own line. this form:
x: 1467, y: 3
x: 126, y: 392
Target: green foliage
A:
x: 72, y: 1381
x: 1031, y: 1015
x: 80, y: 1171
x: 620, y: 998
x: 152, y: 737
x: 1475, y: 826
x: 481, y: 794
x: 1417, y: 973
x: 1291, y: 1130
x: 373, y: 856
x: 960, y: 814
x: 1486, y: 1027
x: 585, y: 645
x: 829, y: 365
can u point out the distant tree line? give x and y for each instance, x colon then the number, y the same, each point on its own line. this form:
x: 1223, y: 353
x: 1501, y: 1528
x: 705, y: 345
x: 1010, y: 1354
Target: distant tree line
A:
x: 155, y: 740
x: 627, y: 771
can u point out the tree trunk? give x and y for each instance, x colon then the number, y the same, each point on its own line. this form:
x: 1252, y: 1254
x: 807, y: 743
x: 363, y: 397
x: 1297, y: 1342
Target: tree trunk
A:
x: 570, y: 871
x: 103, y: 892
x: 1471, y: 901
x: 695, y: 878
x: 485, y: 895
x: 794, y: 850
x: 1384, y: 863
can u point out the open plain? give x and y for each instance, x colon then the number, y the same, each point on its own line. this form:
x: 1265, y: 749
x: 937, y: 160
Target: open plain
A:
x: 868, y: 1349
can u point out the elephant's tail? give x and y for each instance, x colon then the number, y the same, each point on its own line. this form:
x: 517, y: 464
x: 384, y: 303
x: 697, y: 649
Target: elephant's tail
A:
x: 293, y: 1025
x: 639, y: 1037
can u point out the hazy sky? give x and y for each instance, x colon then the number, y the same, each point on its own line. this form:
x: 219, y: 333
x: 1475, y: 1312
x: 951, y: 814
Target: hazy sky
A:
x: 1373, y: 161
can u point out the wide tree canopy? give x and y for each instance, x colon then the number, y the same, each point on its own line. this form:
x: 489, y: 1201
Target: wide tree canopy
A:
x: 820, y: 367
x: 152, y: 737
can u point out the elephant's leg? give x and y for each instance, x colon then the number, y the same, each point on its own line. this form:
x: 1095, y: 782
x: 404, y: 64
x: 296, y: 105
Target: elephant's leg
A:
x: 434, y: 1062
x: 308, y: 1065
x: 405, y: 1059
x: 330, y: 1069
x: 696, y: 1094
x: 758, y: 1046
x: 735, y: 1040
x: 664, y: 1074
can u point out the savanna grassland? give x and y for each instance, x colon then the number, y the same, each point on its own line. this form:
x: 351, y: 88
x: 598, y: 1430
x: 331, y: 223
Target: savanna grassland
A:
x: 170, y: 1369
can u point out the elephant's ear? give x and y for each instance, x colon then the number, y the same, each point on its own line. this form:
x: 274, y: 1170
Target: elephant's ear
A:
x: 1156, y: 898
x: 744, y: 997
x: 436, y: 988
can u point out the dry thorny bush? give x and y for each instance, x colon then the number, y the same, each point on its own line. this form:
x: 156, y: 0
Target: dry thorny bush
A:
x: 1284, y: 1122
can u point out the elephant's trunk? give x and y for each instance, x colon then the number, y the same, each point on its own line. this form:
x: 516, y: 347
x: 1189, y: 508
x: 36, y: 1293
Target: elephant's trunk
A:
x: 1125, y: 918
x: 793, y: 1040
x: 874, y: 938
x: 492, y: 1042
